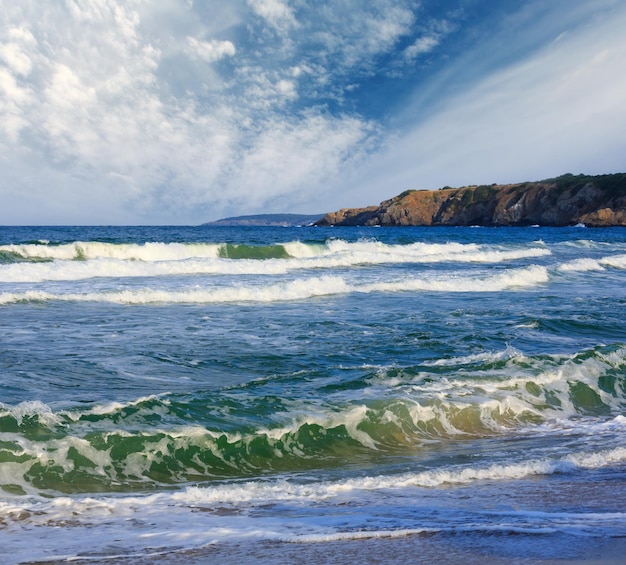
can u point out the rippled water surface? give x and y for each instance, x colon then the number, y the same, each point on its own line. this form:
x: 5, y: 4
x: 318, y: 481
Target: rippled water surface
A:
x: 204, y: 391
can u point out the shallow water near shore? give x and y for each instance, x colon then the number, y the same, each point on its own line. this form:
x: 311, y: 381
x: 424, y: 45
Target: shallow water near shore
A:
x: 262, y: 394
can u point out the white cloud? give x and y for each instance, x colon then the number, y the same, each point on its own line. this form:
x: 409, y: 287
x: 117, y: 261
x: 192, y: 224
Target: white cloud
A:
x: 287, y: 88
x: 210, y: 51
x: 385, y: 28
x: 276, y: 12
x: 16, y: 95
x: 97, y: 124
x: 13, y: 100
x: 288, y: 156
x: 432, y: 35
x: 422, y: 45
x: 354, y: 36
x: 15, y: 58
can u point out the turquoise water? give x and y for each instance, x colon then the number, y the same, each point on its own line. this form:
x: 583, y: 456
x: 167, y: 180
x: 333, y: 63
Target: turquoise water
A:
x: 167, y: 389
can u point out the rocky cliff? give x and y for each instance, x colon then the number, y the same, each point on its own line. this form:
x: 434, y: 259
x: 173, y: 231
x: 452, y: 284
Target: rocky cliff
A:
x: 595, y: 201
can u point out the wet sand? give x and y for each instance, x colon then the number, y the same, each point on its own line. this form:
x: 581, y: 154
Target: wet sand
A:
x: 495, y: 549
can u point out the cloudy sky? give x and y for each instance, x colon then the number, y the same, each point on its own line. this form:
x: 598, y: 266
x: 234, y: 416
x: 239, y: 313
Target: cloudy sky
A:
x: 183, y: 111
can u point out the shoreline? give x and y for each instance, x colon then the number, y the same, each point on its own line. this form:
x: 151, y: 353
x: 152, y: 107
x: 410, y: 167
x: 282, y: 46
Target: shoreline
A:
x: 444, y: 549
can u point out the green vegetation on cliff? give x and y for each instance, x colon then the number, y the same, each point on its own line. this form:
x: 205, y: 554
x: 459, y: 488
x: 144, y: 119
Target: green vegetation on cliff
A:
x: 565, y: 200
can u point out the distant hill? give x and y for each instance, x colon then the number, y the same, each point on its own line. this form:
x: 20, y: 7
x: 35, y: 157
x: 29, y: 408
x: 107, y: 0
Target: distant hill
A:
x: 285, y: 220
x: 595, y: 201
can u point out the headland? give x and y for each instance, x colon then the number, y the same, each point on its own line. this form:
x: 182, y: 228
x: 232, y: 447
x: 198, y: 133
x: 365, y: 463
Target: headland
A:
x: 595, y: 201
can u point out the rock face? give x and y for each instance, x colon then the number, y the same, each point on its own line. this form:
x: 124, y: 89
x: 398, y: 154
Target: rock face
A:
x: 596, y: 201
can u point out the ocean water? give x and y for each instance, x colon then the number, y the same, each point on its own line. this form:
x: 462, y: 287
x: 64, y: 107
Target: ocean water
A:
x: 189, y: 394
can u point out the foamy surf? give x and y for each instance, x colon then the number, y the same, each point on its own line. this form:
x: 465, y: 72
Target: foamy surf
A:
x: 502, y: 394
x: 368, y: 250
x: 312, y: 512
x: 266, y: 492
x: 588, y: 264
x: 298, y: 289
x: 89, y: 250
x: 84, y: 260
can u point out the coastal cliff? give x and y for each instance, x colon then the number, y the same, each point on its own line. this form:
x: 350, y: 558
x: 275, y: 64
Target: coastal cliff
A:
x: 595, y: 201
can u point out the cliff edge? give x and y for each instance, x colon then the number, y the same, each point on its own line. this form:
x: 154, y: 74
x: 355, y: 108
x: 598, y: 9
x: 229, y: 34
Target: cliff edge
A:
x: 595, y: 201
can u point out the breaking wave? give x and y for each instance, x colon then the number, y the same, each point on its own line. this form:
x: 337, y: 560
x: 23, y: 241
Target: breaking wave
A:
x: 83, y: 260
x: 150, y: 441
x: 298, y: 289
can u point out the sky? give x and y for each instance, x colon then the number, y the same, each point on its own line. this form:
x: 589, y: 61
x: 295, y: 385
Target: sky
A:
x: 181, y: 112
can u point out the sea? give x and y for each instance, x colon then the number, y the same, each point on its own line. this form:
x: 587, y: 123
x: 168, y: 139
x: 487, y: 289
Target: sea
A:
x: 312, y: 394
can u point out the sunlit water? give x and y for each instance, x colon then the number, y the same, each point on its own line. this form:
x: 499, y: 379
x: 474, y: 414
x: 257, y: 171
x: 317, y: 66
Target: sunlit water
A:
x: 171, y: 390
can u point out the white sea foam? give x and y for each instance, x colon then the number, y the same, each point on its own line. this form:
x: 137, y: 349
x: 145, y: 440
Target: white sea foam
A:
x: 533, y: 275
x: 299, y: 250
x: 115, y: 407
x: 116, y: 268
x: 589, y: 264
x: 515, y: 390
x: 485, y: 357
x: 123, y: 526
x: 375, y: 252
x: 582, y: 265
x: 160, y: 259
x: 297, y: 289
x: 615, y: 261
x: 368, y: 250
x: 257, y: 492
x: 412, y: 410
x: 31, y: 408
x: 86, y: 250
x: 266, y: 491
x: 357, y: 535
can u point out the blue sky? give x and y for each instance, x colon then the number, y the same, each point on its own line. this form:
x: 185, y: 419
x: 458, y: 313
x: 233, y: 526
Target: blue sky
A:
x: 181, y: 112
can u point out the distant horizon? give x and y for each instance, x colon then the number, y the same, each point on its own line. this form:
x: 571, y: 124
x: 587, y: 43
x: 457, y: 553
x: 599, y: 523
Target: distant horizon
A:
x: 288, y: 214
